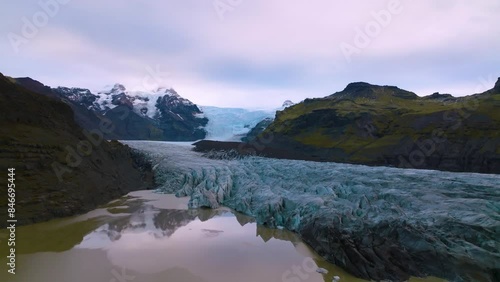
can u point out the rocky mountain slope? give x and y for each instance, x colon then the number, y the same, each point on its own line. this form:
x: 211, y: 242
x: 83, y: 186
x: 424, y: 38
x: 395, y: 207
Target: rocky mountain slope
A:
x: 161, y: 114
x: 257, y: 129
x: 263, y: 124
x: 61, y: 169
x: 84, y: 117
x: 385, y: 125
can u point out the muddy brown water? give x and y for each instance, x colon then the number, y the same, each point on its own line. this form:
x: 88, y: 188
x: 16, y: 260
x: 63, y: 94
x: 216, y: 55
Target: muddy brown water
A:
x: 149, y: 237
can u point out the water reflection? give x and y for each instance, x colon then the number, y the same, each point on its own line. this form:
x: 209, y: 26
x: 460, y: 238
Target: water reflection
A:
x: 155, y: 222
x: 155, y: 244
x: 213, y: 245
x: 163, y: 223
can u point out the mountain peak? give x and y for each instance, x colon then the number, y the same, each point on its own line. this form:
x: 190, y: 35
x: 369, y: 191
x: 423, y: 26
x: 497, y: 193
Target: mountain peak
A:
x: 438, y: 96
x: 358, y: 90
x: 172, y: 92
x: 366, y: 90
x: 497, y: 85
x: 34, y: 85
x: 118, y: 88
x: 29, y: 81
x: 287, y: 103
x: 357, y: 86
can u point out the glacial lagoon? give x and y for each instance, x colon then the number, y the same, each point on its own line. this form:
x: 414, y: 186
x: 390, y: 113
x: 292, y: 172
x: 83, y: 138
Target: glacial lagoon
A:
x: 151, y: 237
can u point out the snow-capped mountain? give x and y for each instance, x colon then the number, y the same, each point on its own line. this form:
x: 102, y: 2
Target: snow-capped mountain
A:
x: 166, y: 115
x: 177, y: 118
x: 80, y: 96
x: 143, y: 103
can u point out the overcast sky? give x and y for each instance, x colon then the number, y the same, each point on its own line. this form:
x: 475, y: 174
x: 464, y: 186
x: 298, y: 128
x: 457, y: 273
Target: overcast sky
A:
x: 254, y: 53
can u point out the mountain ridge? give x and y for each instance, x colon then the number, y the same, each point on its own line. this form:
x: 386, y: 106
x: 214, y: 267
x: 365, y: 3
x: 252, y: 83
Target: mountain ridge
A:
x: 438, y: 131
x: 167, y: 115
x: 385, y: 125
x: 59, y: 171
x: 356, y: 90
x: 161, y: 115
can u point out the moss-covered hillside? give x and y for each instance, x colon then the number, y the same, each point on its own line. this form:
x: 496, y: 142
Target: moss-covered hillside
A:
x: 385, y: 125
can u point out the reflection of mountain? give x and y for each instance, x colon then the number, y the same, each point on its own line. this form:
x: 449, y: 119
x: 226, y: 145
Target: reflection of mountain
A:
x: 206, y: 214
x: 159, y: 223
x: 280, y: 234
x: 171, y: 220
x: 164, y: 223
x: 243, y: 219
x: 51, y: 236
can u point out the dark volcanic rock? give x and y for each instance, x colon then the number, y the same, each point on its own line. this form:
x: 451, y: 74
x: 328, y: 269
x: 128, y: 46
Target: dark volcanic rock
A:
x: 496, y: 89
x: 122, y: 100
x: 179, y: 118
x: 365, y: 90
x: 130, y: 126
x: 60, y: 171
x: 80, y: 96
x: 86, y: 112
x: 396, y: 250
x: 250, y: 149
x: 439, y: 96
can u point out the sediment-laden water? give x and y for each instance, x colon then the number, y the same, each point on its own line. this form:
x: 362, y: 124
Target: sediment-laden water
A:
x: 150, y: 237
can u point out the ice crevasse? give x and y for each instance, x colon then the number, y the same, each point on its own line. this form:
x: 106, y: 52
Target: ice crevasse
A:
x: 394, y: 218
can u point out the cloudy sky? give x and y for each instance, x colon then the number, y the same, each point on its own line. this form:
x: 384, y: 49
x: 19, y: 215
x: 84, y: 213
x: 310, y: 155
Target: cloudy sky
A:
x: 254, y: 53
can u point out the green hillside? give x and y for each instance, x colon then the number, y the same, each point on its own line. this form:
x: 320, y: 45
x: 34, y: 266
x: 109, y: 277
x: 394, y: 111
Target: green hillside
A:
x: 385, y: 125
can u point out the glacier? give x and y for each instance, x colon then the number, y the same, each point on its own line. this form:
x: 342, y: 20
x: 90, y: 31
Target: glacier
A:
x: 224, y: 124
x: 376, y: 222
x: 230, y: 124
